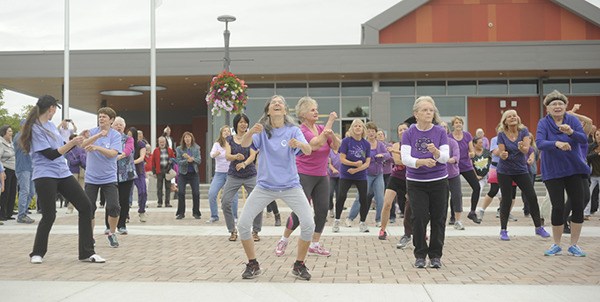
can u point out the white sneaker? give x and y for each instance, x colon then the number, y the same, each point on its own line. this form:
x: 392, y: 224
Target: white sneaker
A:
x: 95, y: 258
x: 336, y: 226
x: 142, y: 217
x: 348, y: 222
x: 35, y: 259
x: 363, y: 228
x: 459, y: 226
x: 512, y: 218
x: 378, y: 224
x: 480, y: 212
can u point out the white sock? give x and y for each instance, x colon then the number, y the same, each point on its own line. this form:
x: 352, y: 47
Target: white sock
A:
x: 314, y: 244
x: 283, y: 238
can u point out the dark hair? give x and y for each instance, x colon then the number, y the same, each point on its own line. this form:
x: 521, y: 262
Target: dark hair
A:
x: 236, y: 120
x: 136, y: 147
x: 183, y: 145
x: 4, y: 129
x: 32, y: 117
x: 108, y: 111
x: 476, y: 139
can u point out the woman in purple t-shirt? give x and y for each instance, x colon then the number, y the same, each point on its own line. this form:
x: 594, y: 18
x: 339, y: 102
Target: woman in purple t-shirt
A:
x: 425, y: 152
x: 465, y: 165
x: 513, y: 146
x: 355, y: 155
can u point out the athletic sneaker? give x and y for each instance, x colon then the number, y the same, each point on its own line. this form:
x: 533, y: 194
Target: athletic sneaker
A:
x: 107, y: 231
x: 420, y: 263
x: 473, y: 217
x: 504, y: 235
x: 541, y: 232
x: 213, y: 220
x: 459, y: 226
x: 252, y: 270
x: 452, y: 221
x: 378, y: 224
x: 301, y: 271
x: 280, y: 248
x: 362, y: 227
x: 382, y: 235
x: 35, y: 259
x: 512, y: 218
x: 435, y: 263
x: 122, y: 231
x: 112, y: 241
x: 404, y: 241
x: 348, y: 222
x: 553, y: 251
x: 480, y: 213
x: 319, y: 250
x: 336, y: 226
x: 143, y: 217
x: 575, y: 250
x: 95, y: 258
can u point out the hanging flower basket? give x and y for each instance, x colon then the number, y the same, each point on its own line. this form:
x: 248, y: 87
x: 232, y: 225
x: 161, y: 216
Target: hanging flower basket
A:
x: 227, y: 93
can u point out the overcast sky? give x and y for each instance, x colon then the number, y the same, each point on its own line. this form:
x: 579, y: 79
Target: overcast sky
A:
x: 125, y: 24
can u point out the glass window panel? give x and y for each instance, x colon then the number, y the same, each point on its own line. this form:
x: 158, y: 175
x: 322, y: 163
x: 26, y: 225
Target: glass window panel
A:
x: 355, y: 107
x: 492, y: 87
x: 254, y: 109
x: 451, y: 105
x: 560, y: 85
x: 401, y: 108
x: 323, y: 89
x: 398, y: 88
x: 462, y: 88
x: 357, y: 89
x: 523, y: 87
x: 586, y: 85
x: 291, y: 90
x: 431, y: 88
x: 260, y: 90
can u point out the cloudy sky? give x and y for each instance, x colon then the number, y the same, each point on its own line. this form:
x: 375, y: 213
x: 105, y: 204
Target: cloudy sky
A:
x: 125, y: 24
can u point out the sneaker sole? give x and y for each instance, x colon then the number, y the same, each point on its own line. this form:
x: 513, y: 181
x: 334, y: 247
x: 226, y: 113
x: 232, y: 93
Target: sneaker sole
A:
x: 550, y: 255
x: 256, y: 274
x: 571, y: 254
x: 300, y: 277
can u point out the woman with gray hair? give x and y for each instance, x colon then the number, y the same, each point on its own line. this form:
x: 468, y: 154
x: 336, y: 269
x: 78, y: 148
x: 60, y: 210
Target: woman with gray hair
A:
x: 312, y: 170
x: 277, y: 138
x: 8, y: 159
x: 559, y: 136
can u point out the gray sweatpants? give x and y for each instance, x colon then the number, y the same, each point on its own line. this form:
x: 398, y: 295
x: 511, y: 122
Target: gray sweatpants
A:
x: 260, y: 198
x: 231, y: 187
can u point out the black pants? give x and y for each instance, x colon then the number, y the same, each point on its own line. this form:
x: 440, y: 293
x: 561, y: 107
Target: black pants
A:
x: 47, y: 189
x: 523, y: 181
x: 344, y: 186
x: 471, y: 178
x: 272, y: 207
x: 160, y: 180
x: 585, y: 184
x: 333, y: 189
x: 429, y: 202
x: 556, y: 189
x: 7, y: 198
x: 124, y: 190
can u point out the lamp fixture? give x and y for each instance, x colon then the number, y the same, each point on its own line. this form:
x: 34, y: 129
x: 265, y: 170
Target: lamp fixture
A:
x: 146, y: 87
x: 120, y: 92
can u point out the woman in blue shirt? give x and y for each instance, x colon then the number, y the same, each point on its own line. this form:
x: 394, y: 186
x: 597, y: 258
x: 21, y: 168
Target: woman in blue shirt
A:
x: 278, y: 141
x: 559, y: 136
x: 51, y: 176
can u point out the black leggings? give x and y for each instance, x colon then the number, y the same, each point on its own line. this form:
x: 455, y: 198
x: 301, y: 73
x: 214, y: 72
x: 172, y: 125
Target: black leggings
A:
x: 316, y: 189
x: 471, y: 178
x: 585, y: 183
x: 556, y: 189
x: 47, y: 189
x: 524, y: 183
x: 361, y: 186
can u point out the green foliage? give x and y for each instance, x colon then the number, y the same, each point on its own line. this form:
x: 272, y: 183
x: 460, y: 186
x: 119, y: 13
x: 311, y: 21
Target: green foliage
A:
x: 7, y: 119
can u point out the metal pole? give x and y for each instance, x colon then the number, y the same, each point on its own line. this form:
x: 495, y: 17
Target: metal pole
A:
x: 153, y: 74
x: 226, y: 59
x: 65, y: 108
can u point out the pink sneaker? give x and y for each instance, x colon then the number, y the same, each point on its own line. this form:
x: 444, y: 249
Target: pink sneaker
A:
x: 319, y: 250
x: 280, y: 248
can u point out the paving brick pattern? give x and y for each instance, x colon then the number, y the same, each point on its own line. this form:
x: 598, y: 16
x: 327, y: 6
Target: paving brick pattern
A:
x: 354, y: 259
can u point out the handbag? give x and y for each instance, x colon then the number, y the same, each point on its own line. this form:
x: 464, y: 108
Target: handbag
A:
x: 170, y: 175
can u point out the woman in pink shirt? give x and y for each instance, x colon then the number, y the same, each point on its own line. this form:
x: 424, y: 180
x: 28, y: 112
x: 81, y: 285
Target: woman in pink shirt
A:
x: 312, y: 170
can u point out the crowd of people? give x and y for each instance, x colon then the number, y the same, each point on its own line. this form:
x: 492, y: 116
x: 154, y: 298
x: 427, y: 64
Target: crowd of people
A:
x: 306, y: 165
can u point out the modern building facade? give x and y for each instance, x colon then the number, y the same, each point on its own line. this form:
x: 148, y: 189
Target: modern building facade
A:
x: 476, y: 58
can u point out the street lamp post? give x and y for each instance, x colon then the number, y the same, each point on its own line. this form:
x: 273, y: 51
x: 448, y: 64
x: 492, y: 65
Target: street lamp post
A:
x: 226, y: 59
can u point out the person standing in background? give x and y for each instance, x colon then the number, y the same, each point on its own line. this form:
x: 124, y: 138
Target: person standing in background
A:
x: 65, y: 131
x: 24, y: 171
x: 162, y: 163
x: 8, y: 160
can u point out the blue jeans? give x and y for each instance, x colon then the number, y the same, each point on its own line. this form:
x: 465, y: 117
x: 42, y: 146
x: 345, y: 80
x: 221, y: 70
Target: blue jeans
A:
x: 217, y: 183
x: 375, y: 186
x: 26, y: 191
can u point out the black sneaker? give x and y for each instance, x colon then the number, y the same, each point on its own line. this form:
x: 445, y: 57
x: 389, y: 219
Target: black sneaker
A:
x: 473, y: 217
x: 252, y: 270
x: 420, y: 263
x: 452, y: 221
x: 301, y: 271
x: 435, y: 263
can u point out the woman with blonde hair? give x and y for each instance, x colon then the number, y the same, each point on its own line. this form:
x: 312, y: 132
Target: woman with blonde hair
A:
x: 425, y: 152
x: 312, y: 170
x: 221, y: 167
x: 355, y: 156
x: 513, y: 146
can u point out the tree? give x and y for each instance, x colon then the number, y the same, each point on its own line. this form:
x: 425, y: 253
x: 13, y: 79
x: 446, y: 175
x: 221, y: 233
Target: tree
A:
x: 7, y: 119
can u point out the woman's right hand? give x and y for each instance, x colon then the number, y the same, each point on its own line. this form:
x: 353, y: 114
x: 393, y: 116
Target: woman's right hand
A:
x: 240, y: 156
